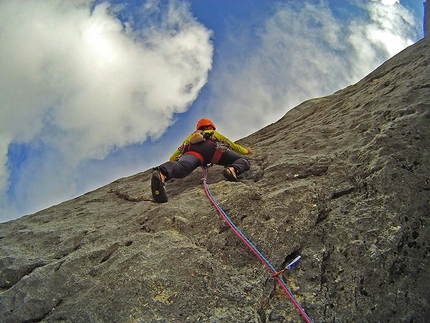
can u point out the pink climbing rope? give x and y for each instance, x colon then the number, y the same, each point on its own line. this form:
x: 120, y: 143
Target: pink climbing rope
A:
x: 249, y: 244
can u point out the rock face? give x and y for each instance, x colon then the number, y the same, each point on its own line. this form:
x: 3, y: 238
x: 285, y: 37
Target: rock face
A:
x: 342, y: 180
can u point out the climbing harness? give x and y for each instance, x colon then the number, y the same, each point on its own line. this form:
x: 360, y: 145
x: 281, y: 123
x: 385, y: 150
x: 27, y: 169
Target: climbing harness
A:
x: 255, y: 250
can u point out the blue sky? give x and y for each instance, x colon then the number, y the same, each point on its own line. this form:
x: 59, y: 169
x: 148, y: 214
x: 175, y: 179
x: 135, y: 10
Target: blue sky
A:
x: 95, y: 91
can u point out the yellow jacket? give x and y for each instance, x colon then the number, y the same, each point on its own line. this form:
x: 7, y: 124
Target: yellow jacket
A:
x: 216, y: 136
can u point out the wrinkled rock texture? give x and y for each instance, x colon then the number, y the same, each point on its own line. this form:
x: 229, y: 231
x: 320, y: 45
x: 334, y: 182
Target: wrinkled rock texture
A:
x: 342, y: 180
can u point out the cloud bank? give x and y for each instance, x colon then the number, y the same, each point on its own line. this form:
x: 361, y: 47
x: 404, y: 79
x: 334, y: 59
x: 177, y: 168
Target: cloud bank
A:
x: 304, y: 50
x: 78, y: 83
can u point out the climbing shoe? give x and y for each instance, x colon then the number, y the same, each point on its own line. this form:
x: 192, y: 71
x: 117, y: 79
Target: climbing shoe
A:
x: 230, y: 174
x: 157, y: 187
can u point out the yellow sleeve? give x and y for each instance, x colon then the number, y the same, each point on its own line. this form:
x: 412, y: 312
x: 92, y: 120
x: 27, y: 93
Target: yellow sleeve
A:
x: 232, y: 145
x: 180, y: 149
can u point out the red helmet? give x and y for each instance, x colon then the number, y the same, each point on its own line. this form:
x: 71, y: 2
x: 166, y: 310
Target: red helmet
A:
x: 204, y: 123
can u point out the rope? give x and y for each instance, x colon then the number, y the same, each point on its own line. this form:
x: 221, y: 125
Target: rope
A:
x: 254, y: 249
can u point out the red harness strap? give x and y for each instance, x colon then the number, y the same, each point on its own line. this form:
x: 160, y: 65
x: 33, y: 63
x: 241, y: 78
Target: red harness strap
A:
x: 217, y: 156
x: 195, y: 153
x: 217, y: 153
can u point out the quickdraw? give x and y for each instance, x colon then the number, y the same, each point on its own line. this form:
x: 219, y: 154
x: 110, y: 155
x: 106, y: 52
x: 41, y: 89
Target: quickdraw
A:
x: 255, y: 250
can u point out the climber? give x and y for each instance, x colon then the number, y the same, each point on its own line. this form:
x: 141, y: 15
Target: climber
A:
x: 204, y: 146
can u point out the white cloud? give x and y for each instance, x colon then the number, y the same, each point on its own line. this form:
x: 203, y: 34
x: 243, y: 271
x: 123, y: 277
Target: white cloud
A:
x: 83, y: 83
x: 304, y: 51
x: 4, y: 143
x: 391, y: 26
x: 78, y: 84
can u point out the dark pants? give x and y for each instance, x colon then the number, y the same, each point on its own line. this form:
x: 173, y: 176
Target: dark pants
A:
x: 189, y: 161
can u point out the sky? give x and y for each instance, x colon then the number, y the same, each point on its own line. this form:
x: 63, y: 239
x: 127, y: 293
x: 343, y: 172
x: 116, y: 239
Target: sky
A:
x: 93, y: 91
